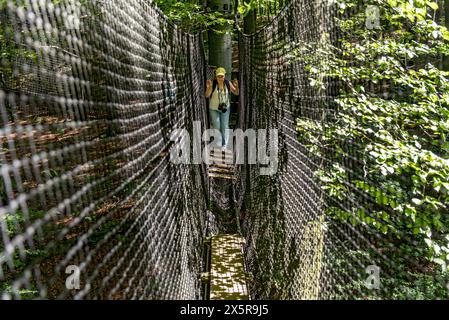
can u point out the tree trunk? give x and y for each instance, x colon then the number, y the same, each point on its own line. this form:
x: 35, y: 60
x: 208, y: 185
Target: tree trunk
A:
x: 220, y: 44
x: 249, y: 22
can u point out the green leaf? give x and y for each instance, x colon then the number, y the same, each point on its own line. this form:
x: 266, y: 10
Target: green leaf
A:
x: 433, y: 5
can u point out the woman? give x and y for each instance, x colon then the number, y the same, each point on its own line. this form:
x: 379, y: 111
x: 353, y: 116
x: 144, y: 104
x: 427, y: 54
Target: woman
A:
x: 220, y: 103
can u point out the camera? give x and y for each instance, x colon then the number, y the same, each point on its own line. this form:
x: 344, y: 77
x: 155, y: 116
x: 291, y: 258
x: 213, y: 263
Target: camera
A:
x: 222, y: 106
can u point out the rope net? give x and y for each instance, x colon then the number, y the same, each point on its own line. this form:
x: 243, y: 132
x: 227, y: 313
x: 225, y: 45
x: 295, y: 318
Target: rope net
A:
x: 283, y: 214
x: 90, y: 93
x: 317, y: 228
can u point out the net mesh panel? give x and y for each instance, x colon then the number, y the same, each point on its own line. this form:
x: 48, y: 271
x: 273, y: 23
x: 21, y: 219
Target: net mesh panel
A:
x: 295, y: 249
x: 90, y: 93
x: 278, y: 210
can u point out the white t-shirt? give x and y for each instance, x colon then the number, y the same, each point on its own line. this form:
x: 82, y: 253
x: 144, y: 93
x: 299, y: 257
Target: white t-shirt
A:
x: 214, y: 99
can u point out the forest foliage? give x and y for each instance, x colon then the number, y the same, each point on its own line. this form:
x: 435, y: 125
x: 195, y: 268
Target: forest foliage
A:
x: 390, y: 123
x: 194, y: 16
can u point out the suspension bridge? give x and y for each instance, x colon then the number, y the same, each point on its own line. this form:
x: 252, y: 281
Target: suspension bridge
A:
x: 86, y: 178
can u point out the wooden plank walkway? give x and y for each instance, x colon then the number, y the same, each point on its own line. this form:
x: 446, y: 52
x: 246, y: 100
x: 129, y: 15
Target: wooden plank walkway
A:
x: 222, y: 166
x: 228, y: 279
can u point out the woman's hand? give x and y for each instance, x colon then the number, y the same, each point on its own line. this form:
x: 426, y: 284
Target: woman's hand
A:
x: 235, y: 87
x: 208, y: 88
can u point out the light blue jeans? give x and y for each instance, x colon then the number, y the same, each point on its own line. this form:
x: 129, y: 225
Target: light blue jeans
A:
x: 220, y: 121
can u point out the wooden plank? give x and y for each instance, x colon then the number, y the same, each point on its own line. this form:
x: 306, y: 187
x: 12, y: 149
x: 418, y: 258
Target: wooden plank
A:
x: 221, y: 176
x: 223, y: 156
x: 219, y: 158
x: 228, y: 162
x: 218, y: 151
x: 216, y: 169
x: 228, y: 280
x: 223, y: 166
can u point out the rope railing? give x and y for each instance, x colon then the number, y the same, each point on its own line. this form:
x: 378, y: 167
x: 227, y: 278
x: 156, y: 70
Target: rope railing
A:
x: 91, y: 206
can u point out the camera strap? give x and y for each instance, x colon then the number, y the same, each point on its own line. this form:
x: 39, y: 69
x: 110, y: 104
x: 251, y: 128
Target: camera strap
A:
x: 223, y: 95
